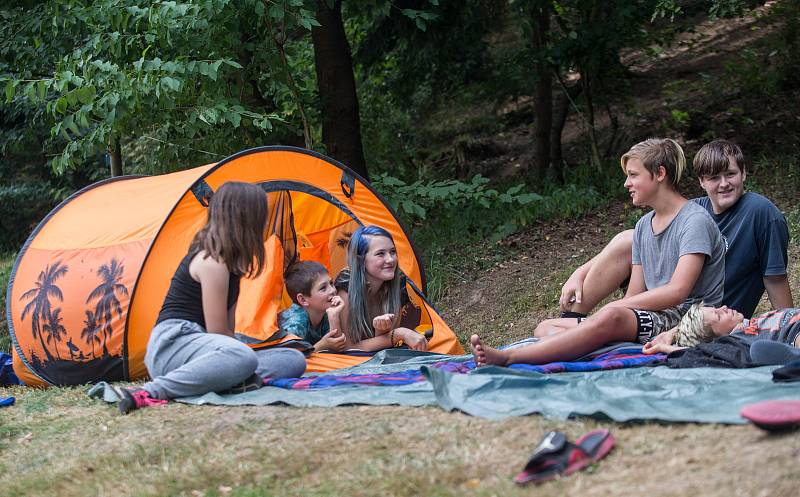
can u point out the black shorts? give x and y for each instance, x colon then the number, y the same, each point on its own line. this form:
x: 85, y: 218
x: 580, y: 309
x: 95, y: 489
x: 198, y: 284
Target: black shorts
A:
x: 649, y: 324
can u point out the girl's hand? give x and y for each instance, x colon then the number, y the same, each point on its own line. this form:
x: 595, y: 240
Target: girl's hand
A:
x: 414, y: 340
x: 383, y: 324
x: 666, y: 338
x: 661, y: 343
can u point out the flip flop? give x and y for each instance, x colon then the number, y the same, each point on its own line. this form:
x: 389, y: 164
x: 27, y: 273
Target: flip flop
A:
x: 556, y: 456
x: 541, y: 466
x: 774, y: 415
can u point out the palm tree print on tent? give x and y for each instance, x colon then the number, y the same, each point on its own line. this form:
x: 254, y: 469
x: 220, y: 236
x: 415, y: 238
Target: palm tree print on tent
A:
x: 72, y: 349
x: 106, y: 296
x: 90, y: 331
x: 54, y: 329
x: 39, y: 306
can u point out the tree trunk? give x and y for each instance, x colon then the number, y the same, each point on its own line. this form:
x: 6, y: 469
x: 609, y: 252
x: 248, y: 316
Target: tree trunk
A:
x: 341, y: 124
x: 47, y: 353
x: 587, y: 95
x: 560, y: 113
x: 544, y: 89
x: 115, y: 156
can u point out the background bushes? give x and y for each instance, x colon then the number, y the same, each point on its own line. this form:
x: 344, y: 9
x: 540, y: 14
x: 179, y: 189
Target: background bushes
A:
x: 22, y: 206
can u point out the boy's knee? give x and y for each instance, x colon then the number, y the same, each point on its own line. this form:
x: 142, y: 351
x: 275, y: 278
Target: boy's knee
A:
x: 613, y: 320
x: 542, y: 329
x: 624, y: 237
x: 622, y: 244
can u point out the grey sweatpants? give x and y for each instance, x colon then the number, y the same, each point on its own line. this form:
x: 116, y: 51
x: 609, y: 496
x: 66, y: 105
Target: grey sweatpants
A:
x: 280, y: 363
x: 184, y: 360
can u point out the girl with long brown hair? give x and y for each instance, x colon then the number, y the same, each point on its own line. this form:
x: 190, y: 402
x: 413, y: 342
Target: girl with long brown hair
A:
x: 192, y: 349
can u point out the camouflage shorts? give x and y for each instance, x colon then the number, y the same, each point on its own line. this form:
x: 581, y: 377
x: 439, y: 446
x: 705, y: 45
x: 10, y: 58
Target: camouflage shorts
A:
x: 649, y: 324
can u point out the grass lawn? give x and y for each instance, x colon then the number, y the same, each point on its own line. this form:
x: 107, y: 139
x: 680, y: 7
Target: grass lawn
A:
x: 58, y: 442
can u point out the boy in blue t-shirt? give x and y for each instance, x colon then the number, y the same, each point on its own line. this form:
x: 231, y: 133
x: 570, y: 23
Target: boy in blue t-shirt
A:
x: 314, y: 315
x: 678, y: 259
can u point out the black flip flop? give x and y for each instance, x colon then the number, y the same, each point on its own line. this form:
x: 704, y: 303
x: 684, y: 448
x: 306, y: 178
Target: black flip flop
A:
x: 556, y: 456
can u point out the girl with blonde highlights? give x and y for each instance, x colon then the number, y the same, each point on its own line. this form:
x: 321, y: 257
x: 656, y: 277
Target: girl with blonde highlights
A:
x: 375, y: 293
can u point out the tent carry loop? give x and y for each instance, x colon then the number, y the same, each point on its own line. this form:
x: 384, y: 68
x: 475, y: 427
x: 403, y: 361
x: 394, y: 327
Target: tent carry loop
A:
x: 348, y: 184
x: 202, y: 192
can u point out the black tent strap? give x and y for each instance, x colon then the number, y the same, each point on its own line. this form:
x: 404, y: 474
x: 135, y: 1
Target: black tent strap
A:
x: 202, y: 192
x: 271, y: 186
x: 348, y: 184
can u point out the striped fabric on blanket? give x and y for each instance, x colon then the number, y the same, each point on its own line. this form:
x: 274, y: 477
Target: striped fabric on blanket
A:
x: 620, y: 358
x: 616, y: 359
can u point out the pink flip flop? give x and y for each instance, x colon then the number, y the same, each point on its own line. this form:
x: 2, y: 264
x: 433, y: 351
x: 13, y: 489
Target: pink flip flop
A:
x: 556, y: 456
x: 774, y: 415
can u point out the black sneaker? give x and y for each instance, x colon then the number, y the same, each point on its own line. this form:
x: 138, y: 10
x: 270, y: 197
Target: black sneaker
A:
x: 254, y: 382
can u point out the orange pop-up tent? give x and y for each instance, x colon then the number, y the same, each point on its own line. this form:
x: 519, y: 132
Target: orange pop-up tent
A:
x: 88, y: 284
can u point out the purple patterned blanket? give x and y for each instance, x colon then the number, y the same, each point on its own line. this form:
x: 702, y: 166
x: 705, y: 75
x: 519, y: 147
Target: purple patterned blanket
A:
x: 619, y: 358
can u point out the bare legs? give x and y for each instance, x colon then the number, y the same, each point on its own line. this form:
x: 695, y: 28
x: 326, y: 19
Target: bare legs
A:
x: 609, y: 325
x: 567, y: 340
x: 610, y: 268
x: 550, y: 327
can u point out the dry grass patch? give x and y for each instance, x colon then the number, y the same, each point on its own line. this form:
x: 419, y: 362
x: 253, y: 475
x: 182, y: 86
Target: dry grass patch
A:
x: 77, y: 448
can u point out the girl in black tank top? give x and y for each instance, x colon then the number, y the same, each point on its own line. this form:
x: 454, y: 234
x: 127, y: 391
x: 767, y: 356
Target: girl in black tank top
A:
x: 203, y: 292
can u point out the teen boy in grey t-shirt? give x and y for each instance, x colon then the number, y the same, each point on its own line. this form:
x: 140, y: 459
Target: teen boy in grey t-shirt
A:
x: 692, y: 231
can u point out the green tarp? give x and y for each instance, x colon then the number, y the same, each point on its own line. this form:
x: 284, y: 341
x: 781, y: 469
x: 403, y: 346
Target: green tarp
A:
x: 706, y: 395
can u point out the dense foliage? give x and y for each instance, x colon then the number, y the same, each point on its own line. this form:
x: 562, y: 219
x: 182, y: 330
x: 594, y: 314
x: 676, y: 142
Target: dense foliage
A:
x: 172, y: 73
x: 90, y: 87
x: 461, y: 107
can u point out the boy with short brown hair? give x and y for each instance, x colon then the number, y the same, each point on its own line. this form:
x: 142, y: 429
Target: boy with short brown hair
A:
x: 314, y: 315
x: 757, y: 233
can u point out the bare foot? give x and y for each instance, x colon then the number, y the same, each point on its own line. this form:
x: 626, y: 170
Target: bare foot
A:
x: 485, y: 355
x: 477, y: 350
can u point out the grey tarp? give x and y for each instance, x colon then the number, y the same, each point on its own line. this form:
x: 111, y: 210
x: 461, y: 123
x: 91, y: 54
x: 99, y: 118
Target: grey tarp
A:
x: 708, y: 395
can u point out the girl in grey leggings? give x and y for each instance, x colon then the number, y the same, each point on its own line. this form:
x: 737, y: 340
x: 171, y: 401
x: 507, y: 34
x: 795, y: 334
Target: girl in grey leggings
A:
x: 192, y: 350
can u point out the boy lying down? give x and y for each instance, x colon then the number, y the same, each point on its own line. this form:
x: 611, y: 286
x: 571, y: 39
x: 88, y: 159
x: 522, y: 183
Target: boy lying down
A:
x: 703, y: 324
x: 777, y: 334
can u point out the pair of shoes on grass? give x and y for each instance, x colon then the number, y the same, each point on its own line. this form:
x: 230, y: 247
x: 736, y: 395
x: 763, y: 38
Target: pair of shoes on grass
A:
x: 556, y: 456
x: 131, y: 399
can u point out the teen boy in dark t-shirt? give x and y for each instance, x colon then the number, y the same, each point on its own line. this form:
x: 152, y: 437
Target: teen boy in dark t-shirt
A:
x: 756, y: 242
